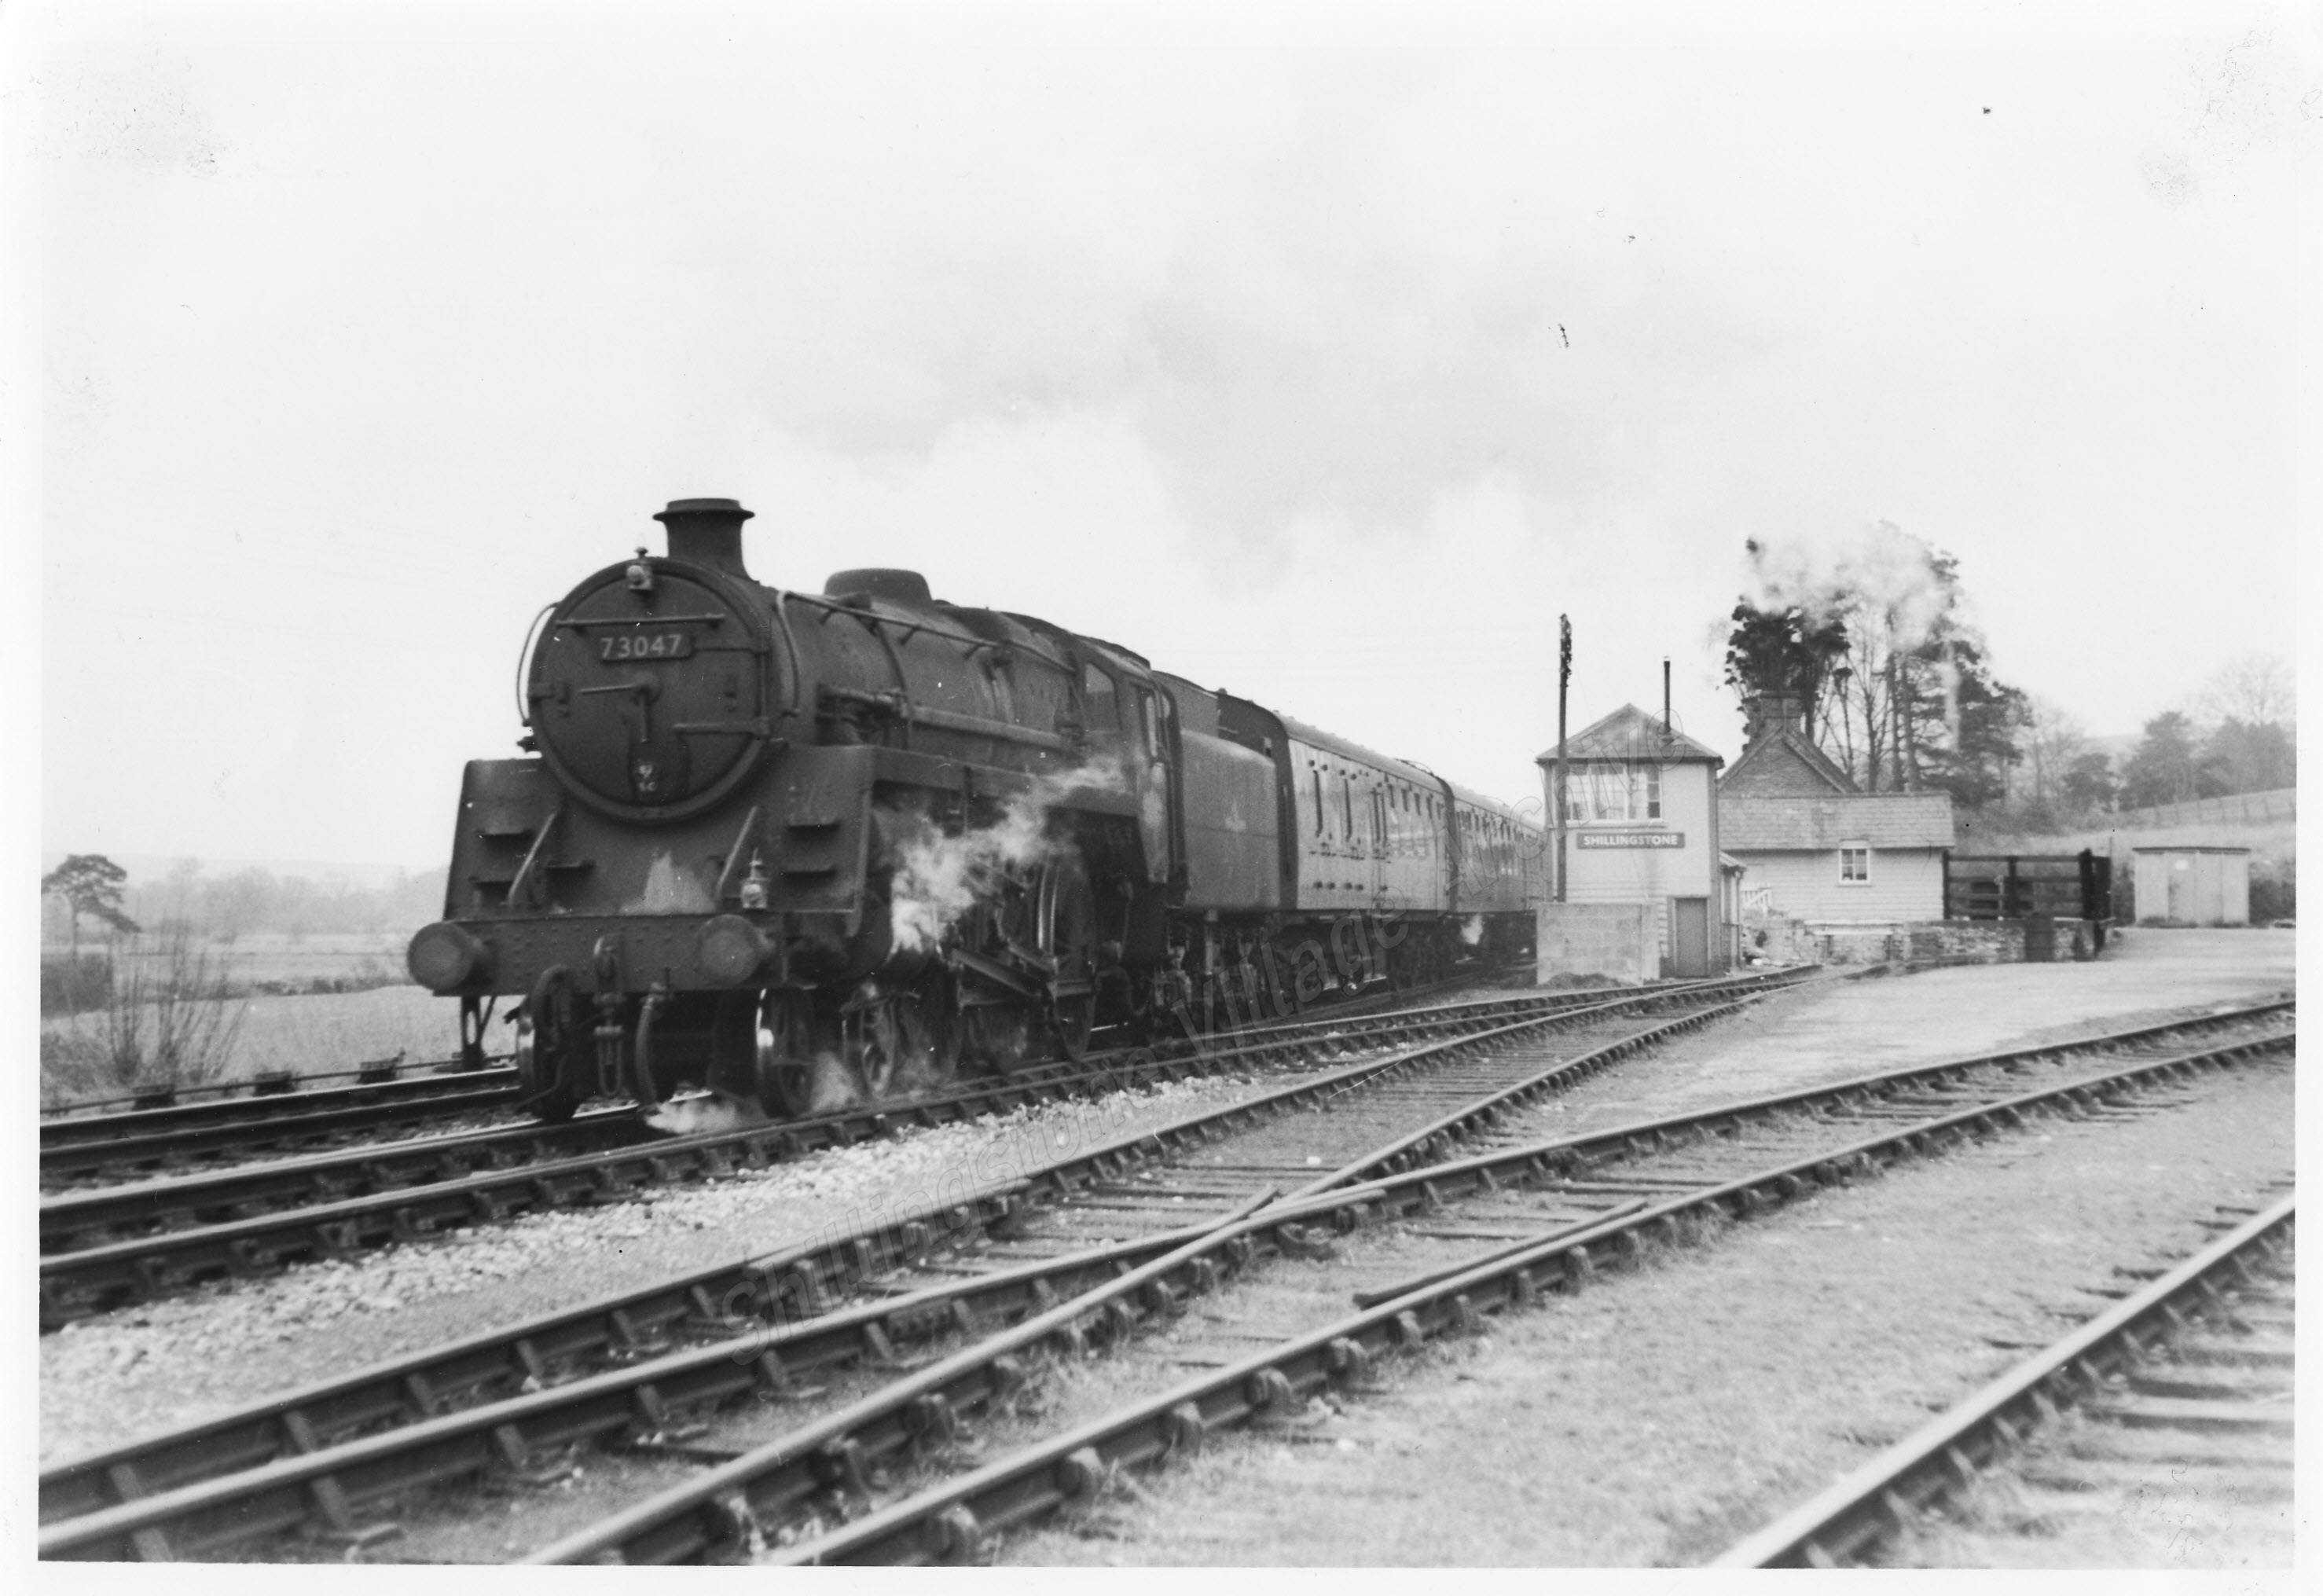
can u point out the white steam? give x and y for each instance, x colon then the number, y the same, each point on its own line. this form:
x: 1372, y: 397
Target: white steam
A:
x: 938, y: 878
x: 1882, y: 575
x: 1472, y: 929
x: 1882, y: 582
x: 698, y: 1115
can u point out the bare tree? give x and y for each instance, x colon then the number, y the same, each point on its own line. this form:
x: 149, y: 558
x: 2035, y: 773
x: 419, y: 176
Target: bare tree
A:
x: 2257, y: 689
x: 2051, y: 740
x: 172, y: 1019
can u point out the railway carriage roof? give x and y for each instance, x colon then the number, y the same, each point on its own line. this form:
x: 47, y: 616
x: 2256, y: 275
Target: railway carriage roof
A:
x: 1419, y: 774
x: 1491, y: 806
x: 1314, y: 737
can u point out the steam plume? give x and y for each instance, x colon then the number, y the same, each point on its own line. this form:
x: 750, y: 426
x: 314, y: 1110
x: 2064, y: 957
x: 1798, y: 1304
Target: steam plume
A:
x: 1882, y: 572
x: 938, y: 878
x: 690, y: 1116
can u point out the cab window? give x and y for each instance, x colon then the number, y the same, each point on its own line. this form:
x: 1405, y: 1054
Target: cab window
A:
x: 1104, y: 706
x: 1153, y: 728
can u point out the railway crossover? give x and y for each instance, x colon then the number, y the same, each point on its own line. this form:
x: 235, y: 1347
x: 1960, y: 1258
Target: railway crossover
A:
x: 1042, y: 1215
x: 951, y: 1506
x: 123, y: 1244
x: 618, y: 1372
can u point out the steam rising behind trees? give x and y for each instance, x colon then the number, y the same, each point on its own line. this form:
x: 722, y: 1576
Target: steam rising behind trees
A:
x: 1873, y: 632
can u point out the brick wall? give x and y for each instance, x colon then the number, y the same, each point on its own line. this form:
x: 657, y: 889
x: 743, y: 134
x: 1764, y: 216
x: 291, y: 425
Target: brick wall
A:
x: 1621, y: 941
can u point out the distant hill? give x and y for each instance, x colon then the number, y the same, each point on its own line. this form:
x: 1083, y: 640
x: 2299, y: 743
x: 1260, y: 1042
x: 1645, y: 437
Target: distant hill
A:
x: 230, y: 898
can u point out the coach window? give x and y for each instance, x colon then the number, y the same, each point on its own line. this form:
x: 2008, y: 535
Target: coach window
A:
x: 1855, y: 864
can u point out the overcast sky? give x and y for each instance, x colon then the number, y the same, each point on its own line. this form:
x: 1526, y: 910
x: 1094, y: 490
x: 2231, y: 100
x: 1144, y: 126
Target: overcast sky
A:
x: 1325, y: 367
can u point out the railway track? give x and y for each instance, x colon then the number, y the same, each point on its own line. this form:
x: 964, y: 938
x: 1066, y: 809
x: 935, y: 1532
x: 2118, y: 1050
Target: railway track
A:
x: 955, y: 1511
x: 2190, y: 1375
x: 790, y: 1286
x: 231, y: 1126
x: 127, y: 1244
x: 619, y: 1371
x: 1586, y: 1224
x: 122, y: 1145
x: 268, y: 1086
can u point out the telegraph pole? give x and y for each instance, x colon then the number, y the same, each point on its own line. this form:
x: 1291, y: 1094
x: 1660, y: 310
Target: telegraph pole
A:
x: 1564, y: 680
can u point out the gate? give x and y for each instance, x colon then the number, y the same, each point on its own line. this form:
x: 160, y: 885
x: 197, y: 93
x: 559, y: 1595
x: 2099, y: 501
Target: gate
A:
x: 2019, y: 886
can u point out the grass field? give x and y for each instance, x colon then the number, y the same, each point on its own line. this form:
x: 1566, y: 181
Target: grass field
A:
x: 339, y: 1030
x: 307, y: 1035
x: 258, y: 961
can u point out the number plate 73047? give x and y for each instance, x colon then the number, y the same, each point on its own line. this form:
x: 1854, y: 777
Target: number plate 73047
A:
x: 644, y: 644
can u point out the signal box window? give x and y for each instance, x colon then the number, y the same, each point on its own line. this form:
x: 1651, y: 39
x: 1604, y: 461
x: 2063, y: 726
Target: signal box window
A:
x: 1613, y: 790
x: 1855, y: 864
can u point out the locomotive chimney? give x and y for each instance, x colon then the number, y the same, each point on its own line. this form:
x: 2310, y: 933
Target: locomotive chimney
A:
x: 706, y: 532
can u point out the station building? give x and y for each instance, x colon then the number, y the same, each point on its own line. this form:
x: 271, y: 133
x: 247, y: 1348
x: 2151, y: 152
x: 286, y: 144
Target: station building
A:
x: 1647, y: 894
x: 1817, y: 849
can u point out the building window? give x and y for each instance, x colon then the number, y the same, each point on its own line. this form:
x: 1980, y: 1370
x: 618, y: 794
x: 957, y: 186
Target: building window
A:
x: 1613, y: 790
x: 1855, y: 864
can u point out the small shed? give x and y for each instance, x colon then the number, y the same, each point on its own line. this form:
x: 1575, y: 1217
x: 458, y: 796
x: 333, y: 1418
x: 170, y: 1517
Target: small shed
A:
x: 2192, y: 885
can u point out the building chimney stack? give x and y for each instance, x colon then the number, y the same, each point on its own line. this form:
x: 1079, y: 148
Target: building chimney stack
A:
x: 1769, y: 713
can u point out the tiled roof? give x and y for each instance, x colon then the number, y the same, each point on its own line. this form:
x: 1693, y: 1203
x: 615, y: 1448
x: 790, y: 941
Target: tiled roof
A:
x: 1883, y: 819
x: 1783, y: 761
x: 1630, y: 733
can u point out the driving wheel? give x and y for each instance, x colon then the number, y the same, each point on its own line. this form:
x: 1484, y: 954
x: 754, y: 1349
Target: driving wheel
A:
x: 548, y: 1044
x: 1069, y: 937
x: 783, y: 1039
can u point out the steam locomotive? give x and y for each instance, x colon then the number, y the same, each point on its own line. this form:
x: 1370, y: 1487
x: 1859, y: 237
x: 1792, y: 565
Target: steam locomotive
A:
x: 802, y: 850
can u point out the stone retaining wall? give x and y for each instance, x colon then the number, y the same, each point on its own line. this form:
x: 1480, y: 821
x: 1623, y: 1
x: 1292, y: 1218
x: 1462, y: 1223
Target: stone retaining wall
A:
x: 1922, y: 942
x: 1621, y: 941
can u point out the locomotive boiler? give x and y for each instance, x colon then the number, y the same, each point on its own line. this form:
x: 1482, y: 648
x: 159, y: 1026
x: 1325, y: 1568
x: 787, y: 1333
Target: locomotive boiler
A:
x: 805, y: 848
